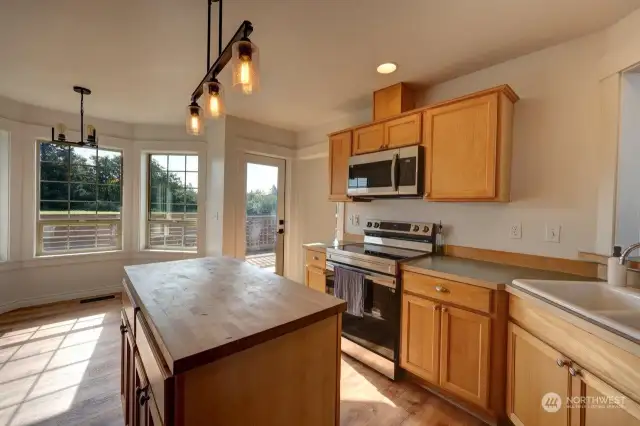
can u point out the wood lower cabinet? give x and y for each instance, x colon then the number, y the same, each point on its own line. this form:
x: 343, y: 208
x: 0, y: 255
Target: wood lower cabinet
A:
x: 339, y: 153
x: 126, y: 368
x: 446, y: 342
x: 464, y: 354
x: 368, y: 139
x: 403, y: 131
x: 420, y: 338
x: 540, y: 376
x: 534, y: 370
x: 468, y: 148
x: 316, y: 278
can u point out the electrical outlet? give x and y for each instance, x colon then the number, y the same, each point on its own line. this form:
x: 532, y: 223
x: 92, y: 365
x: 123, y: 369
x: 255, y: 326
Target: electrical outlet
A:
x: 357, y: 220
x: 515, y: 231
x: 552, y: 233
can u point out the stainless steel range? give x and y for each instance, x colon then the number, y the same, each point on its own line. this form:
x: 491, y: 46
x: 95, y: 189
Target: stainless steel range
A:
x: 374, y: 338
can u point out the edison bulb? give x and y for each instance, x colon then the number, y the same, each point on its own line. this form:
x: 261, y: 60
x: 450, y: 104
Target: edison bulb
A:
x: 194, y: 119
x: 213, y: 99
x: 245, y: 60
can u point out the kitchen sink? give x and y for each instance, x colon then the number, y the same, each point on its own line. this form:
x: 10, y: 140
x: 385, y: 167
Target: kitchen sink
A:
x: 616, y: 308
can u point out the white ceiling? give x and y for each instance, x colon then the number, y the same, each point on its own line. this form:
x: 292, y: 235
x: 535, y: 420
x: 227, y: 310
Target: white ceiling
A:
x: 142, y: 58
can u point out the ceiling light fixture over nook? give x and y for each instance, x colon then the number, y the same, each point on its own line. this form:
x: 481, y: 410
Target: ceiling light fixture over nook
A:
x: 92, y: 139
x: 387, y: 68
x: 246, y: 77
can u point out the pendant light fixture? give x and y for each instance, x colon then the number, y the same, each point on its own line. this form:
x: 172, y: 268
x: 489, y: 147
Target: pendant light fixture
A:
x: 92, y: 138
x: 246, y: 77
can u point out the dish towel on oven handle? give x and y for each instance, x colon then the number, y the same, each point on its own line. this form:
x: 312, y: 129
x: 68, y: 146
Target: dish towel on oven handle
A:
x: 349, y: 286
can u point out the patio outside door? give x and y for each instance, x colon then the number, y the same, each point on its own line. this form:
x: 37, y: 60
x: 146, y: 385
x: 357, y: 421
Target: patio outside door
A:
x: 265, y: 221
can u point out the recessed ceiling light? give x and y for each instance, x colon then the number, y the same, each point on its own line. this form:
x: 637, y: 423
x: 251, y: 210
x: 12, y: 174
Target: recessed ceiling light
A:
x: 387, y: 68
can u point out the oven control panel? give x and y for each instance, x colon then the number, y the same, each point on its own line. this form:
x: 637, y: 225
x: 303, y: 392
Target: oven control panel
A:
x: 410, y: 228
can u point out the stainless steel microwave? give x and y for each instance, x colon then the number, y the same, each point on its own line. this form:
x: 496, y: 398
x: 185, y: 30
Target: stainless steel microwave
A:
x: 391, y: 173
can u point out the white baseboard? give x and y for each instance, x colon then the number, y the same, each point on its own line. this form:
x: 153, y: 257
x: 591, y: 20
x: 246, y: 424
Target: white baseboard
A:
x: 61, y: 297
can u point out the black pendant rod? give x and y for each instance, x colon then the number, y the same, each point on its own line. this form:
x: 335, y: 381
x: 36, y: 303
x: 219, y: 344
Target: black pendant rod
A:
x: 245, y: 30
x: 81, y: 117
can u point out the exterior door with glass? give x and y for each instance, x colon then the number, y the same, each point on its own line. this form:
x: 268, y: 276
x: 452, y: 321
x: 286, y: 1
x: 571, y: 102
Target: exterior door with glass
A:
x: 264, y: 225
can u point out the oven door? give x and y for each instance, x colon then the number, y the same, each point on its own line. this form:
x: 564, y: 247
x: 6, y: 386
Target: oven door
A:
x: 410, y: 171
x: 378, y: 329
x: 373, y: 174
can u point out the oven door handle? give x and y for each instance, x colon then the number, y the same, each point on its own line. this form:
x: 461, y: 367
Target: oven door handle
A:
x: 375, y: 278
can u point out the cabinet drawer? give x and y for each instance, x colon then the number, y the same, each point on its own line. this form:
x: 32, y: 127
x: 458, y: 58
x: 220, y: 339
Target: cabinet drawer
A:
x: 160, y: 379
x: 317, y: 259
x: 456, y: 293
x: 129, y: 306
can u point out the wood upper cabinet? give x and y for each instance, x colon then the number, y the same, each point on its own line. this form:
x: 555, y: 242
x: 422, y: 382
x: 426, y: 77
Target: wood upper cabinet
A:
x: 315, y: 278
x: 464, y: 354
x: 403, y: 131
x: 534, y: 369
x: 420, y: 338
x: 368, y: 139
x: 468, y: 148
x: 339, y: 153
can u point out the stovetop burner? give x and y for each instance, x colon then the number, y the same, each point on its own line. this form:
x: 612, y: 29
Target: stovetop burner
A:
x: 387, y: 252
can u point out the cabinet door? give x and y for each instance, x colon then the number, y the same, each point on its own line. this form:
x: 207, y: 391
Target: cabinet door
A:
x: 535, y: 370
x: 420, y: 337
x: 126, y: 362
x: 339, y: 153
x: 316, y: 279
x: 595, y: 403
x: 402, y: 131
x: 141, y: 386
x: 464, y: 354
x: 368, y: 139
x: 461, y: 149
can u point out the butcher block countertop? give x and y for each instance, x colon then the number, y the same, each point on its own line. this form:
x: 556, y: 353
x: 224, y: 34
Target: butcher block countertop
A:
x: 201, y: 310
x: 475, y: 272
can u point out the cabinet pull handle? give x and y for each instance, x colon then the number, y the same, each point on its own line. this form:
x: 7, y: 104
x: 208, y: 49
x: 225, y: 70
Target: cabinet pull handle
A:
x: 562, y: 362
x: 574, y: 371
x: 441, y: 289
x: 123, y: 328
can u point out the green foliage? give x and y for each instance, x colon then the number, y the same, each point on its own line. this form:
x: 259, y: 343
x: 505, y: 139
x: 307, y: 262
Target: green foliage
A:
x: 71, y: 181
x: 169, y: 193
x: 260, y: 202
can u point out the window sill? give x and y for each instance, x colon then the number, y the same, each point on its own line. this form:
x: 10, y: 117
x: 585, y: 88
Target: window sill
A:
x: 74, y: 258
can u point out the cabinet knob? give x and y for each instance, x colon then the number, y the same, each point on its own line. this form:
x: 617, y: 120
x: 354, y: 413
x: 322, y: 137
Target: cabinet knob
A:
x: 143, y: 398
x: 441, y: 289
x: 574, y: 371
x: 444, y: 309
x: 562, y: 362
x: 436, y: 308
x: 316, y: 258
x: 123, y: 328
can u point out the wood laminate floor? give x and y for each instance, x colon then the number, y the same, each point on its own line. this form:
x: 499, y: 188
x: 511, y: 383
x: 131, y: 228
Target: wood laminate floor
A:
x: 60, y: 365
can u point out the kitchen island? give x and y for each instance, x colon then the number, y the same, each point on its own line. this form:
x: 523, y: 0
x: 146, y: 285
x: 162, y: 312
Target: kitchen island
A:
x: 219, y: 342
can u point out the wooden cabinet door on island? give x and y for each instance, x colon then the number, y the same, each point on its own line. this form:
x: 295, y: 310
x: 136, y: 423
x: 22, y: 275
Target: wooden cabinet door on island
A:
x: 464, y: 354
x: 126, y: 369
x: 403, y: 131
x: 534, y: 370
x: 316, y: 278
x: 468, y: 148
x: 339, y: 153
x: 368, y: 139
x: 420, y: 338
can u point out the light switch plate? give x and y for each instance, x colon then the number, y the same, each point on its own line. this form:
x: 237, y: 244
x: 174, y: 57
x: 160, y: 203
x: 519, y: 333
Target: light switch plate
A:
x: 552, y: 233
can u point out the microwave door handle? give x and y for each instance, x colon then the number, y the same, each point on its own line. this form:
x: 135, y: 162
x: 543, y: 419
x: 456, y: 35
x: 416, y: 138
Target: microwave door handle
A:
x: 394, y: 167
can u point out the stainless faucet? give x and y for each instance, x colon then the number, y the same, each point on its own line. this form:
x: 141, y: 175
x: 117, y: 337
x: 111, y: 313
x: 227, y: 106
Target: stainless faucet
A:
x: 625, y: 253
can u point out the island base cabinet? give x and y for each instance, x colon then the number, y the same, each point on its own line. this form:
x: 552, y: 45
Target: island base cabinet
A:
x: 297, y: 376
x: 603, y: 405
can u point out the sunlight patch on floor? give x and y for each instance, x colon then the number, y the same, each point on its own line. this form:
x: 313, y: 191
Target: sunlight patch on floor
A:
x: 42, y: 367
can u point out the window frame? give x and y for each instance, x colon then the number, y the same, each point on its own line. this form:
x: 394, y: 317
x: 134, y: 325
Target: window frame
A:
x: 40, y: 223
x: 184, y: 222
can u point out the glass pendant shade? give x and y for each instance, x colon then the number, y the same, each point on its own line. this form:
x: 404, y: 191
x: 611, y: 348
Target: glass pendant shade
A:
x: 213, y: 99
x: 245, y: 62
x: 195, y: 122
